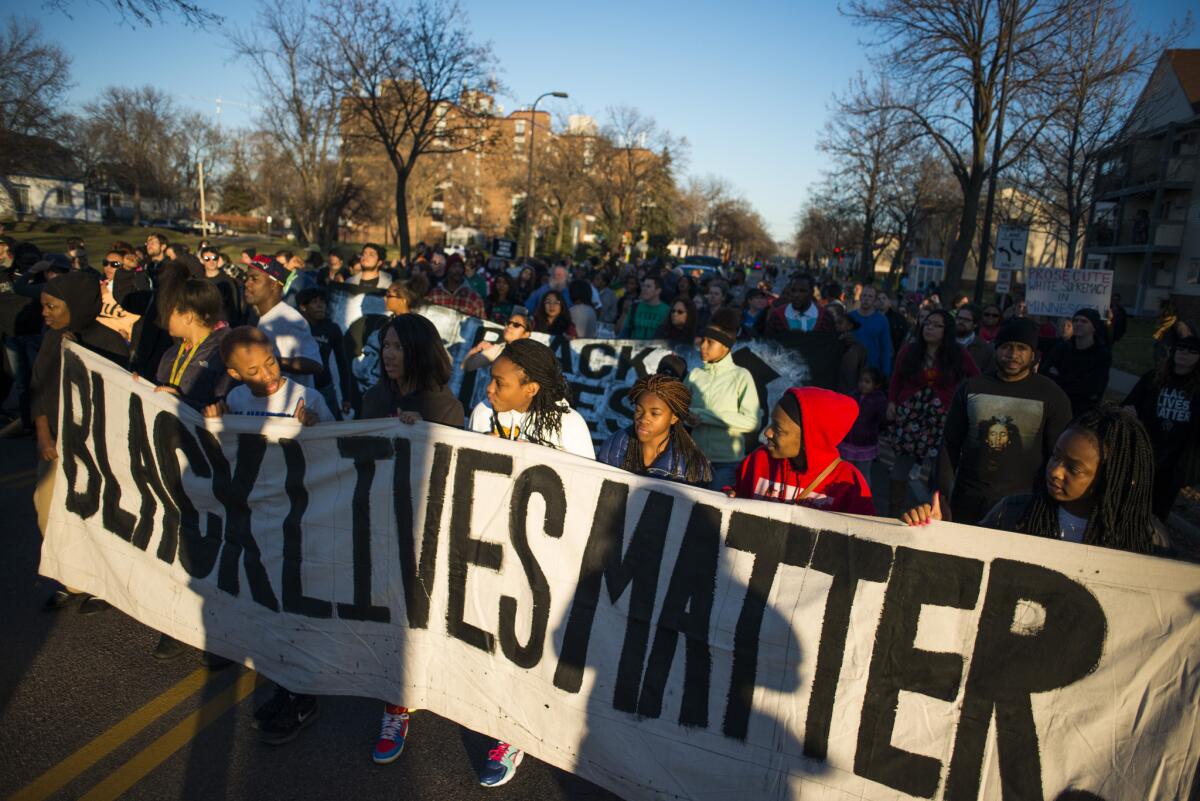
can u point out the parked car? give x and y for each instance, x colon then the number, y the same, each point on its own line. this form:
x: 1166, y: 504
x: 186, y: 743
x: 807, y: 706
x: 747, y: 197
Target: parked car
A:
x: 701, y: 268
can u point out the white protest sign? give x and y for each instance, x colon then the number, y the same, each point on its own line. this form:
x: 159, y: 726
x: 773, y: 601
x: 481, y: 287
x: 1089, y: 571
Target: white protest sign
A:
x: 661, y: 641
x: 1054, y: 292
x: 1011, y: 241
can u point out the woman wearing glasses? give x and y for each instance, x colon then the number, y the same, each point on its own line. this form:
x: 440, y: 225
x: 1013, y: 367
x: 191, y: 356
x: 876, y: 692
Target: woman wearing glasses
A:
x: 519, y: 326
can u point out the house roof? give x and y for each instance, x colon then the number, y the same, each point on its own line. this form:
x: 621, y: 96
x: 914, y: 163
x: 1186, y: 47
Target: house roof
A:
x: 1186, y: 64
x: 37, y: 157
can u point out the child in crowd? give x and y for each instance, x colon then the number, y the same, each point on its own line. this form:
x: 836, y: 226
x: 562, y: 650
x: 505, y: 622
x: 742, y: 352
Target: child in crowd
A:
x: 527, y: 400
x: 724, y: 399
x: 800, y: 462
x: 657, y: 444
x: 861, y: 445
x: 333, y: 382
x: 265, y: 392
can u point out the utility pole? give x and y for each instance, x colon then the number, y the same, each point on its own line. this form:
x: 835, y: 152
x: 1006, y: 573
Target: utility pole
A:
x: 203, y: 212
x: 530, y: 251
x: 989, y: 207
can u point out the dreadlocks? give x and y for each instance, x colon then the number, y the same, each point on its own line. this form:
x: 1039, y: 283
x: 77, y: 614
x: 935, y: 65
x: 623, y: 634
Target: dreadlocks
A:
x: 538, y: 363
x: 1121, y: 517
x: 677, y: 396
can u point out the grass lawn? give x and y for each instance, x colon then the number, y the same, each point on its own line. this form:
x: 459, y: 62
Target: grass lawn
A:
x: 52, y: 236
x: 1135, y: 352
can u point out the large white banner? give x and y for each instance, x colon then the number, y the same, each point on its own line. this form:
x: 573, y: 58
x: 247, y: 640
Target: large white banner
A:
x: 661, y: 641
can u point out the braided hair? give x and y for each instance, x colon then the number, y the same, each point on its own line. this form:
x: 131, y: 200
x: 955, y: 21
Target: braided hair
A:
x: 538, y: 363
x: 1121, y: 517
x: 677, y: 396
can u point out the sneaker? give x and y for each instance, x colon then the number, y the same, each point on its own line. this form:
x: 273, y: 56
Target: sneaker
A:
x: 92, y: 605
x: 214, y: 662
x: 61, y: 599
x: 501, y: 765
x: 168, y: 648
x: 271, y: 708
x: 392, y: 734
x: 297, y: 713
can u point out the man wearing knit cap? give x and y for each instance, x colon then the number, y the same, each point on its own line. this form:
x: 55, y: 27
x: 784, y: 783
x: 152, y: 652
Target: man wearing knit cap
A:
x: 1000, y: 428
x: 1080, y: 365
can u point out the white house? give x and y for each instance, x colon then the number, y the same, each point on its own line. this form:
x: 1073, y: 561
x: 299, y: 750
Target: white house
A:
x: 40, y: 179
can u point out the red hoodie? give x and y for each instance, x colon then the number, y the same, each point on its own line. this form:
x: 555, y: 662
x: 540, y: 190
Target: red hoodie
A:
x: 826, y: 418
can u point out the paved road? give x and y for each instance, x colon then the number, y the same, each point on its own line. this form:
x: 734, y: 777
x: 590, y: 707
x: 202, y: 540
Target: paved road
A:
x: 87, y: 713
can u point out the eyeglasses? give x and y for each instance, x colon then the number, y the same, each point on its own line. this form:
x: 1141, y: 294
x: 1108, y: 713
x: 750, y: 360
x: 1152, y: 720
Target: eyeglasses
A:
x: 993, y: 315
x: 515, y: 324
x: 113, y: 263
x: 1187, y: 351
x: 678, y: 311
x: 552, y: 302
x: 208, y: 258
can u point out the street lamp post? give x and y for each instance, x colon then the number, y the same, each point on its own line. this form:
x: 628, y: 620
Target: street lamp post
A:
x: 529, y: 185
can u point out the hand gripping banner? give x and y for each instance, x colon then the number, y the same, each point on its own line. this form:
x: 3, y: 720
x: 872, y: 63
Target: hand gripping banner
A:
x: 661, y: 641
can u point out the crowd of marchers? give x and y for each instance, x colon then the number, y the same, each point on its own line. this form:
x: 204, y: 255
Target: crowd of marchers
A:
x: 980, y: 415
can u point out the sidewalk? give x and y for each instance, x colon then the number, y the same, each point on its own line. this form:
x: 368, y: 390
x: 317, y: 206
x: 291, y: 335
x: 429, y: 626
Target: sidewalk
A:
x: 1120, y: 382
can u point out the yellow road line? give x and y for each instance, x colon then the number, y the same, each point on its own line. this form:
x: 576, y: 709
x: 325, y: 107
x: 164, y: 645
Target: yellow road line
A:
x: 58, y: 776
x: 161, y: 749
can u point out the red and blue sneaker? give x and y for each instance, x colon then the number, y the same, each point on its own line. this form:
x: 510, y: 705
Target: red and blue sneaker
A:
x: 501, y: 765
x: 392, y: 734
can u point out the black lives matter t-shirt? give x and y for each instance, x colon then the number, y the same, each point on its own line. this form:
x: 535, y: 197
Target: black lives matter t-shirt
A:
x: 1169, y: 412
x: 997, y: 436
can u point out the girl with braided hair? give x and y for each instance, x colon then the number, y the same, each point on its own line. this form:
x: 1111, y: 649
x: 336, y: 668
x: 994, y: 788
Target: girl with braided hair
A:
x: 1096, y: 489
x: 657, y: 444
x: 528, y: 400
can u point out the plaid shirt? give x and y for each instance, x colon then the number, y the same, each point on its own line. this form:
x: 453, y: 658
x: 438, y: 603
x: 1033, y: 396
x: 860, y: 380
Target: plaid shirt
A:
x: 465, y: 300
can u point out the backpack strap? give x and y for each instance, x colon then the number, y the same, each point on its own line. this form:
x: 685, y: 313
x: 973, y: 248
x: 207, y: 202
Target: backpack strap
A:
x: 820, y: 477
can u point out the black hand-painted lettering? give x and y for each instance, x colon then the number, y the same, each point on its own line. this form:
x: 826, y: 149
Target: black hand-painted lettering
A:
x: 197, y: 554
x: 773, y: 542
x: 687, y: 609
x: 585, y: 359
x: 294, y: 599
x: 848, y: 560
x: 1008, y: 666
x: 918, y: 578
x: 603, y: 563
x: 144, y: 472
x: 419, y: 576
x: 542, y: 480
x: 632, y: 361
x: 72, y: 438
x: 365, y: 451
x: 233, y: 490
x: 112, y: 516
x: 465, y: 550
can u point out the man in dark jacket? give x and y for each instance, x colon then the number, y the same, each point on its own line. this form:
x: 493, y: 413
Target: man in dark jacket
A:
x: 1081, y: 364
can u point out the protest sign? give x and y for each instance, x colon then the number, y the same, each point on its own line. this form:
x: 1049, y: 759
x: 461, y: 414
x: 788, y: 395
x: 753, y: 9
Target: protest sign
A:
x: 600, y: 371
x: 661, y: 641
x: 1060, y: 293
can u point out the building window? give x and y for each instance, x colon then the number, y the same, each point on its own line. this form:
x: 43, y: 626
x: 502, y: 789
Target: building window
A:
x: 21, y: 195
x: 1193, y: 273
x: 520, y: 127
x: 1164, y: 273
x: 62, y: 197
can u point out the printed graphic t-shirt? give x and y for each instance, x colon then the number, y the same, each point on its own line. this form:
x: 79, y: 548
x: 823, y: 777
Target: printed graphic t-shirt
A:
x: 282, y: 403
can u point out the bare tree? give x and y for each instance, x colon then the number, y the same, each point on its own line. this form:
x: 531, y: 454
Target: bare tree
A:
x: 1104, y: 60
x: 35, y: 76
x: 865, y: 138
x: 950, y: 62
x: 413, y: 83
x: 300, y: 112
x: 633, y: 182
x: 136, y: 131
x: 822, y: 224
x: 148, y: 12
x: 200, y: 142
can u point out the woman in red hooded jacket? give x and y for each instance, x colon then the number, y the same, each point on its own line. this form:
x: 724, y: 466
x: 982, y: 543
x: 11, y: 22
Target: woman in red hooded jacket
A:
x: 800, y: 462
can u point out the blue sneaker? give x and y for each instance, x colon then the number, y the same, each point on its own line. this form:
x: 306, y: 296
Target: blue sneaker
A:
x: 392, y: 734
x: 501, y: 765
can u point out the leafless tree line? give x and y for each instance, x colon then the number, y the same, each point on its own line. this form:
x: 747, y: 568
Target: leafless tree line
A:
x: 1022, y: 94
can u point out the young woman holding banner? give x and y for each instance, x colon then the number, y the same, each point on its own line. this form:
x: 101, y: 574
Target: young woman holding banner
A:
x: 657, y: 444
x: 1095, y: 489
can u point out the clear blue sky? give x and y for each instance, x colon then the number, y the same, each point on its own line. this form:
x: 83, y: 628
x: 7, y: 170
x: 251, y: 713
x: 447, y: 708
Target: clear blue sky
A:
x: 748, y: 83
